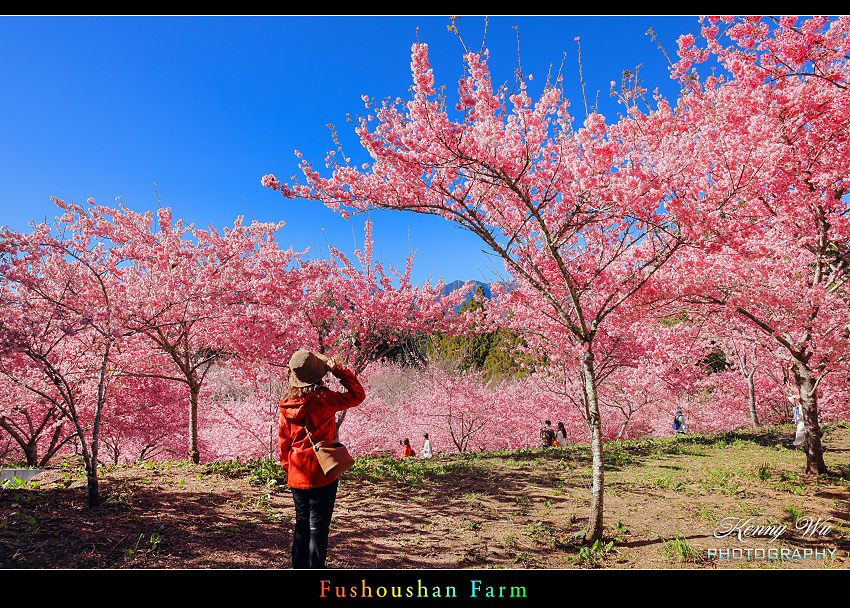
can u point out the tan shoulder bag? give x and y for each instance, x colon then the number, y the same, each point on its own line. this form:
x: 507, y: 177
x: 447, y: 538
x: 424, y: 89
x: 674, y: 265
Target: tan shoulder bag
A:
x: 333, y: 456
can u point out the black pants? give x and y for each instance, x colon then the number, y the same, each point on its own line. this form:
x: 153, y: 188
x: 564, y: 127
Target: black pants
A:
x: 313, y: 510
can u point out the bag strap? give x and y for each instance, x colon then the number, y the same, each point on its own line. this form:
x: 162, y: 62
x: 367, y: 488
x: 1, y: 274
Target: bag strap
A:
x: 309, y: 435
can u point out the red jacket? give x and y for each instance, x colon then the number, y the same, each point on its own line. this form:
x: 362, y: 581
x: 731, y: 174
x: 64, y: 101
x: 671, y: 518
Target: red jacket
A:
x: 317, y: 410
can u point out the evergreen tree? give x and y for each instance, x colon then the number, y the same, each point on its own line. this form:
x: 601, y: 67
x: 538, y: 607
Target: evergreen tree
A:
x: 493, y: 352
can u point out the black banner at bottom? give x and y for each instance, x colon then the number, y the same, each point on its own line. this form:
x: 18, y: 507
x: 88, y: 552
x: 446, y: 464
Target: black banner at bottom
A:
x: 340, y: 587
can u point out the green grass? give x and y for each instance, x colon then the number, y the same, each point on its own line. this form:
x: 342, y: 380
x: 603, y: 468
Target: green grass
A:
x: 679, y: 549
x: 413, y: 470
x: 593, y: 555
x: 763, y: 472
x: 266, y: 473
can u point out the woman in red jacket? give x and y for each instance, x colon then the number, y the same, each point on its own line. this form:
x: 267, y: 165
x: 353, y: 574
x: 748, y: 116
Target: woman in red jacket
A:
x: 310, y: 405
x: 406, y: 450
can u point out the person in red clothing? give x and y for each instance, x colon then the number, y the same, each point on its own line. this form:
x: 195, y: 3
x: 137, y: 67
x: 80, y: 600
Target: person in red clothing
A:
x: 310, y: 406
x: 406, y: 450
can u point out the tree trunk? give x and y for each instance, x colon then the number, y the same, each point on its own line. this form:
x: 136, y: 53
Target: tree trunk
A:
x: 31, y: 453
x: 594, y: 421
x: 92, y: 485
x: 90, y: 463
x: 751, y: 398
x: 53, y: 447
x: 809, y: 411
x: 622, y: 431
x: 194, y: 453
x: 29, y: 447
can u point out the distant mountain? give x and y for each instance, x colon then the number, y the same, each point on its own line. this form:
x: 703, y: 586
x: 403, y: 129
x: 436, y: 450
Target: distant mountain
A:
x: 454, y: 285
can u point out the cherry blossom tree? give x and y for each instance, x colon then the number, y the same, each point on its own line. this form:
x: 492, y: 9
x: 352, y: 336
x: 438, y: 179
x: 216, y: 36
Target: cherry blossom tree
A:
x: 777, y: 253
x: 460, y: 411
x: 33, y: 423
x: 60, y: 330
x: 579, y: 216
x: 242, y: 414
x: 747, y: 353
x: 144, y: 420
x: 194, y: 297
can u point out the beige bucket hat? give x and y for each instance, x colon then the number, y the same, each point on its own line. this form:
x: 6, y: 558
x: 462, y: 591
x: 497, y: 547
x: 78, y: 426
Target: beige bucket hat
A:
x: 306, y: 368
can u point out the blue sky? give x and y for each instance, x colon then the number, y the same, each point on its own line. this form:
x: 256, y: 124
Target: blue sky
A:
x: 103, y: 107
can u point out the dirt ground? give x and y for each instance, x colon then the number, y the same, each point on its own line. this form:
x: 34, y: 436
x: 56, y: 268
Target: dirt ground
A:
x: 667, y: 504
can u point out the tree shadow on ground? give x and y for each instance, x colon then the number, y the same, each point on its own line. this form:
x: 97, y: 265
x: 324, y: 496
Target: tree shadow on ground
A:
x: 139, y: 525
x: 524, y: 509
x: 465, y: 518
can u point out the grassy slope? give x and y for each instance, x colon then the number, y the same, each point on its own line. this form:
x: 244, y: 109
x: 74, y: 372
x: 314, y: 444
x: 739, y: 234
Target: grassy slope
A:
x: 524, y: 509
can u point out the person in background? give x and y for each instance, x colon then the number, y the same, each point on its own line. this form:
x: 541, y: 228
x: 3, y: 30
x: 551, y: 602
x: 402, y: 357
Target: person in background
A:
x: 679, y: 422
x: 406, y: 450
x: 426, y: 447
x: 561, y: 435
x: 793, y: 393
x: 309, y: 406
x: 547, y: 435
